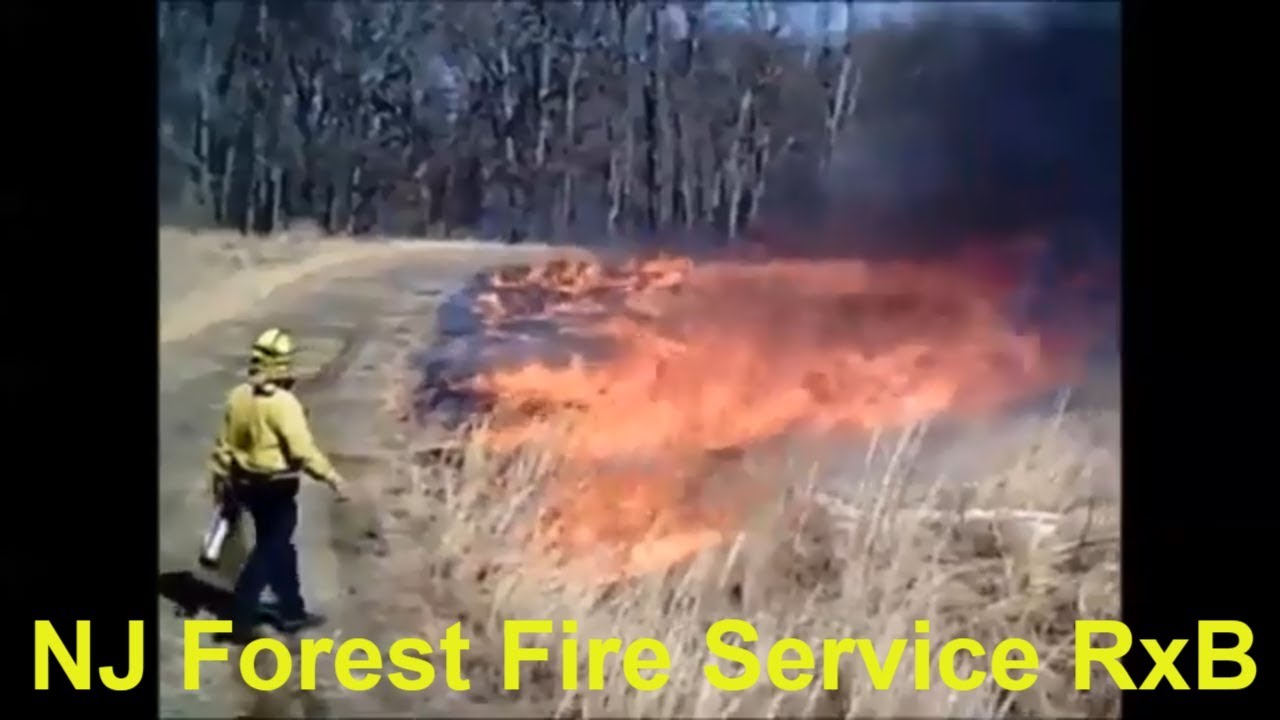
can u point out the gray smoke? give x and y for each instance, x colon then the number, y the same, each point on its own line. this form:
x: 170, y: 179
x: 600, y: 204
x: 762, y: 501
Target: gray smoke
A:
x: 972, y: 127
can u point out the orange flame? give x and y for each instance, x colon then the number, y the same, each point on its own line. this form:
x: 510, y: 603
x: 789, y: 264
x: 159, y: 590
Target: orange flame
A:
x: 722, y: 355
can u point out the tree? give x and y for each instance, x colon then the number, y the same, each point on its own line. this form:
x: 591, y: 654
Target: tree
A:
x: 588, y: 119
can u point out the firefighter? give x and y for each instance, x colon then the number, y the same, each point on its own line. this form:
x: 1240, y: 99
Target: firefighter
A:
x: 261, y: 452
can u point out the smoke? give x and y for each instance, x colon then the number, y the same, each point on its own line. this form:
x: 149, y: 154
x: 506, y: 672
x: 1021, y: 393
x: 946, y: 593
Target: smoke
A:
x: 974, y: 129
x: 988, y: 139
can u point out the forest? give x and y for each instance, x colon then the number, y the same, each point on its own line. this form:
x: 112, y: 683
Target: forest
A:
x: 591, y: 120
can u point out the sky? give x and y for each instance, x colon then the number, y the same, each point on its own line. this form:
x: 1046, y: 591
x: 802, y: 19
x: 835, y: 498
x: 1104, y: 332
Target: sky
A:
x: 806, y: 16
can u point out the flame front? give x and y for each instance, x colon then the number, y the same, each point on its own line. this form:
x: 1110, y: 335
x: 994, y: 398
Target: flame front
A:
x: 705, y: 358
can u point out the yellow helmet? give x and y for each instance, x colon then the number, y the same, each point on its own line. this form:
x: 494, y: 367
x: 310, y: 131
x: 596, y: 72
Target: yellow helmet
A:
x: 273, y: 354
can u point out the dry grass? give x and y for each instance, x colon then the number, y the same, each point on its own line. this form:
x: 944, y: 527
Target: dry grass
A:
x: 861, y: 551
x: 1014, y: 537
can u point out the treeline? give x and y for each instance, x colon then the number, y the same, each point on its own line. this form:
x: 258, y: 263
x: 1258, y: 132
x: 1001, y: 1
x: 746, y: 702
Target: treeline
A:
x: 556, y: 119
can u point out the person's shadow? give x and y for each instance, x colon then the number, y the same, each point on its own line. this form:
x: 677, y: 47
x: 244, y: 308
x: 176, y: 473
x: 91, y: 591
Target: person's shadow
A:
x: 192, y: 597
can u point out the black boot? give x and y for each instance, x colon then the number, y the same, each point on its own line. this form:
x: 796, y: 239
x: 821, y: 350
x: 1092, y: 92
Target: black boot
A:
x: 307, y: 621
x: 269, y: 612
x: 242, y: 633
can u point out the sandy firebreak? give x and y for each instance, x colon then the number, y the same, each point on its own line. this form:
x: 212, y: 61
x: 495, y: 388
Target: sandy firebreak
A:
x: 753, y: 441
x: 355, y: 309
x: 206, y: 278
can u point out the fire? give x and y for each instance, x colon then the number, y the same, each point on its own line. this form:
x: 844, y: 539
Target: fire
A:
x: 704, y: 358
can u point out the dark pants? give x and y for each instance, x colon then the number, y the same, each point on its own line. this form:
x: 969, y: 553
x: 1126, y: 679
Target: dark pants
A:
x: 273, y: 562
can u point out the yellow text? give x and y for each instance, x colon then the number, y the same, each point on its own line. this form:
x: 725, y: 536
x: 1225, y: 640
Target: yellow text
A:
x: 791, y: 664
x: 645, y: 665
x: 76, y: 668
x: 358, y: 663
x: 1088, y: 655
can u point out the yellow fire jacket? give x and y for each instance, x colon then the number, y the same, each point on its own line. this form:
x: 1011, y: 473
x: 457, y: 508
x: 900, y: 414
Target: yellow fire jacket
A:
x: 265, y: 432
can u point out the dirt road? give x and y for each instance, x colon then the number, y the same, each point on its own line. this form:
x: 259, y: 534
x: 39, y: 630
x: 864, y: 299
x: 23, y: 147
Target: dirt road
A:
x: 351, y: 323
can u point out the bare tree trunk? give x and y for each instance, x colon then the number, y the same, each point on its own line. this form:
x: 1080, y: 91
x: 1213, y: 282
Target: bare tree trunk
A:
x: 612, y: 182
x: 257, y: 176
x: 652, y: 193
x: 543, y: 91
x: 851, y: 99
x: 688, y: 176
x: 250, y: 202
x: 837, y: 101
x: 653, y: 183
x: 713, y: 190
x: 761, y: 173
x: 422, y: 182
x: 666, y: 135
x: 427, y: 211
x: 330, y: 208
x: 695, y: 183
x: 735, y: 160
x: 353, y: 197
x: 570, y: 139
x: 308, y: 91
x: 273, y: 88
x: 538, y: 195
x: 508, y: 131
x: 621, y: 172
x: 228, y: 176
x: 204, y: 179
x: 626, y: 173
x: 264, y: 215
x: 275, y: 219
x: 680, y: 190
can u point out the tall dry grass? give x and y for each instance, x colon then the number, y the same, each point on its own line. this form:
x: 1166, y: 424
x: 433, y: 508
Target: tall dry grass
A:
x: 1023, y: 548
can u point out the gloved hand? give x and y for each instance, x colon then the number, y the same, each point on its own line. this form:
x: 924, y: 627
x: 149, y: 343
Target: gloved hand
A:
x: 339, y: 486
